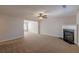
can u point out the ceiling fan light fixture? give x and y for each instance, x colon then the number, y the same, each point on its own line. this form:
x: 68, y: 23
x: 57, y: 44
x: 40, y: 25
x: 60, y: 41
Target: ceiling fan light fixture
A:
x: 40, y: 18
x: 42, y: 15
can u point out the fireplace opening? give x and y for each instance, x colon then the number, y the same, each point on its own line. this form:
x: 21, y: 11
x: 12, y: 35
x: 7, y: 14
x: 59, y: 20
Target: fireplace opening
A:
x: 68, y: 35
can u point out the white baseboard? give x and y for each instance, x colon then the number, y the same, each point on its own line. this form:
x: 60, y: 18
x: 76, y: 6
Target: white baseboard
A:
x: 52, y: 35
x: 13, y: 38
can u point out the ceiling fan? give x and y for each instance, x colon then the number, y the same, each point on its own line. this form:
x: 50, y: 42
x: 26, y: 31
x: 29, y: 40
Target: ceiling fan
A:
x: 42, y: 15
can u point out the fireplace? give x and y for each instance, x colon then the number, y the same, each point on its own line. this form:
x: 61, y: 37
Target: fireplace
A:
x: 68, y: 35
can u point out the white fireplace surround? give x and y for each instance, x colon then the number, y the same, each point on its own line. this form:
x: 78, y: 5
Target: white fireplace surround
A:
x: 74, y: 27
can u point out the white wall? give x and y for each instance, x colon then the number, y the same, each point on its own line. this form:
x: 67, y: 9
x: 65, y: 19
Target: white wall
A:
x: 10, y: 27
x: 53, y: 25
x: 77, y: 22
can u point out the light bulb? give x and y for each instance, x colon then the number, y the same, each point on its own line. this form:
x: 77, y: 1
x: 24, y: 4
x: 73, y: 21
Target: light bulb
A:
x: 40, y: 18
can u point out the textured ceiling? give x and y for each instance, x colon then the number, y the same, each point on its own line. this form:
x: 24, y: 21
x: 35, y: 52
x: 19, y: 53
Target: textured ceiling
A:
x: 29, y: 11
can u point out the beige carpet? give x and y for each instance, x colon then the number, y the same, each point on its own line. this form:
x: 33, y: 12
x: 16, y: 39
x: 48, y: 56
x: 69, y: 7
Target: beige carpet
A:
x: 33, y: 43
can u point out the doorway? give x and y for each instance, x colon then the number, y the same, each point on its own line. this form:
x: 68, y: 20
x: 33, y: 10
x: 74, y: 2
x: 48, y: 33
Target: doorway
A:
x: 30, y: 26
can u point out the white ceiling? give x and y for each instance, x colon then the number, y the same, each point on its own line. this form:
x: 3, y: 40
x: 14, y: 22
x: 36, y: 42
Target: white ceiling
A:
x: 29, y: 11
